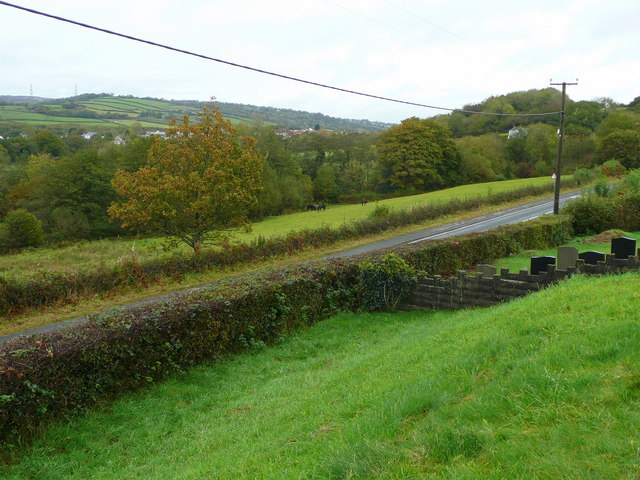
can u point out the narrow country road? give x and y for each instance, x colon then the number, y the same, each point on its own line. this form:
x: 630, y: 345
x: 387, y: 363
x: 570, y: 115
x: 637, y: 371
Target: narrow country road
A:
x: 478, y: 224
x: 513, y: 215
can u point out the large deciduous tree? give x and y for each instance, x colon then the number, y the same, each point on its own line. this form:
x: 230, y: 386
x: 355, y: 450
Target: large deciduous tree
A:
x: 197, y: 185
x: 622, y: 145
x: 484, y: 158
x: 419, y: 154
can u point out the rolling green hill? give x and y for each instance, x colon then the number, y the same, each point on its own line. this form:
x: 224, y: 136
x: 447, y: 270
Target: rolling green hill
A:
x: 546, y: 387
x: 116, y: 111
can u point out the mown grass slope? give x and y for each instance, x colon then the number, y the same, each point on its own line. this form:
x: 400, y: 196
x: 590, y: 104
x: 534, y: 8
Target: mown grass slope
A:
x: 546, y: 387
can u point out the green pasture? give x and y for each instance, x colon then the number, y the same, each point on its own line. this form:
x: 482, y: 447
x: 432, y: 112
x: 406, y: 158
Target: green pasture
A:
x: 335, y: 215
x: 144, y: 123
x: 90, y: 254
x: 103, y: 105
x: 132, y: 105
x: 545, y: 387
x: 598, y: 243
x: 25, y: 116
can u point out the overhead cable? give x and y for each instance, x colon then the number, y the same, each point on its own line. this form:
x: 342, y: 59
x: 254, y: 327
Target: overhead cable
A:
x: 266, y: 72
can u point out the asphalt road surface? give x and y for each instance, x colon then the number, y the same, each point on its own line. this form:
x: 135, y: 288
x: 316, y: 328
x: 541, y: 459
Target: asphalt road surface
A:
x: 513, y: 215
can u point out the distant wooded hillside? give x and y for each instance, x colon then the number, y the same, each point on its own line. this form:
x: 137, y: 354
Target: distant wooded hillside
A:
x: 116, y: 111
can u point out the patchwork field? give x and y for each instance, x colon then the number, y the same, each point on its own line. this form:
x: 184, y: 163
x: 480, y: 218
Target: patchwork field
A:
x: 545, y: 387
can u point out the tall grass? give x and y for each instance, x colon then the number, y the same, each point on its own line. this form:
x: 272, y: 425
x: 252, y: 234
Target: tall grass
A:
x: 545, y: 387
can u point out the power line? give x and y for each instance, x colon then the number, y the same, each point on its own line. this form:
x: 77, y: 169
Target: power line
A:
x: 388, y: 27
x: 266, y: 72
x: 428, y: 22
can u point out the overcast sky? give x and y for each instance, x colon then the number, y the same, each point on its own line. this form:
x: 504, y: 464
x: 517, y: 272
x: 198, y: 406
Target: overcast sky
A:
x: 438, y: 52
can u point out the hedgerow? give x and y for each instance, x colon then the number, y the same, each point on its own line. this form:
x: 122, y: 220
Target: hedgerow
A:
x: 607, y: 206
x: 44, y: 378
x: 56, y: 288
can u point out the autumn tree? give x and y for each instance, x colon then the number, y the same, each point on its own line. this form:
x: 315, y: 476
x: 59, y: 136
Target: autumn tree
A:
x: 197, y: 185
x: 419, y: 154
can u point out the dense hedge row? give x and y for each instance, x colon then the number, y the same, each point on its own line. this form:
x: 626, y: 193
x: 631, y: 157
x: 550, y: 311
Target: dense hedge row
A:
x: 51, y: 288
x: 46, y: 377
x: 605, y: 207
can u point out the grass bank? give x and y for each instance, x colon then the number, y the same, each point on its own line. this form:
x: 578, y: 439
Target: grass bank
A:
x: 545, y: 387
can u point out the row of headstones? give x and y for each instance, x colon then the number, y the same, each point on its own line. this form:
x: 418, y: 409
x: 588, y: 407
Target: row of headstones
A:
x: 622, y: 248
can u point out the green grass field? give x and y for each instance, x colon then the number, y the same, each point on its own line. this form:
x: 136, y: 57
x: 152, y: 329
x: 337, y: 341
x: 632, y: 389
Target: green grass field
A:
x: 88, y: 254
x: 13, y: 114
x: 546, y: 387
x: 103, y: 105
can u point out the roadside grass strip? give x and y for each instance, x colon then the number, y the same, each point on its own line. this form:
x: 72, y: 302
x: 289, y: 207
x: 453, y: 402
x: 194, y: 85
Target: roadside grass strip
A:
x: 545, y: 387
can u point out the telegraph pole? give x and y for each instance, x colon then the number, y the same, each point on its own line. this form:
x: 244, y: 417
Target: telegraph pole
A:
x: 556, y: 190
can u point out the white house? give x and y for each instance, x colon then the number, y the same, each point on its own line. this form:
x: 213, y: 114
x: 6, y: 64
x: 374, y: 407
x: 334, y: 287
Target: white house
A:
x: 517, y: 132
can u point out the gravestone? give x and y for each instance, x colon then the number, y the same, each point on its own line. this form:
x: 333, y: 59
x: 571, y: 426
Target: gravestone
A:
x: 592, y: 257
x: 539, y: 264
x: 486, y: 270
x: 623, y: 247
x: 567, y: 257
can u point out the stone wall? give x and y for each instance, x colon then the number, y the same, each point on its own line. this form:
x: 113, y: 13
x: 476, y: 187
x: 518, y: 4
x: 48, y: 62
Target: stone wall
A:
x: 483, y: 289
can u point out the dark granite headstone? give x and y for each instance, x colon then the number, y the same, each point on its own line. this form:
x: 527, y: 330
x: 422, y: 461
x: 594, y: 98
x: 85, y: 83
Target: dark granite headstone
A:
x: 539, y: 264
x: 592, y: 257
x: 623, y: 247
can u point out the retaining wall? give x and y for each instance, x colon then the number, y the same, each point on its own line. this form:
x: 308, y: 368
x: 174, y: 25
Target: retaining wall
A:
x: 479, y: 290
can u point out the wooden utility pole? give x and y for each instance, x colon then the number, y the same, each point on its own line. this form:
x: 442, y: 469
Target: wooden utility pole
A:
x: 556, y: 190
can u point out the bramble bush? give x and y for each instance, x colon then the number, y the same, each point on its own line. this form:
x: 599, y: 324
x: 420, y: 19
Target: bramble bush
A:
x: 44, y: 378
x: 384, y: 281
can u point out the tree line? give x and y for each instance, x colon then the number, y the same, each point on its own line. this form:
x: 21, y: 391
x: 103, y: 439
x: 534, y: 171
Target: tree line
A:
x: 66, y: 183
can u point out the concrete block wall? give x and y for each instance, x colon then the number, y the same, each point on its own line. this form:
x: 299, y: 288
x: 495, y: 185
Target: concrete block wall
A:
x: 468, y: 290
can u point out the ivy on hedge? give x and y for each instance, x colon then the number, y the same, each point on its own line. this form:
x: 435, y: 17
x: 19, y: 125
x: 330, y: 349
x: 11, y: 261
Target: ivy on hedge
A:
x: 44, y: 378
x: 52, y: 288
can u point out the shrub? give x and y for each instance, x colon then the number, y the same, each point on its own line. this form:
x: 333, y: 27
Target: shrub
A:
x: 608, y: 207
x: 384, y: 281
x: 627, y: 211
x: 602, y: 189
x: 613, y: 168
x: 380, y: 210
x: 583, y: 176
x: 21, y: 229
x: 630, y: 182
x: 591, y: 214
